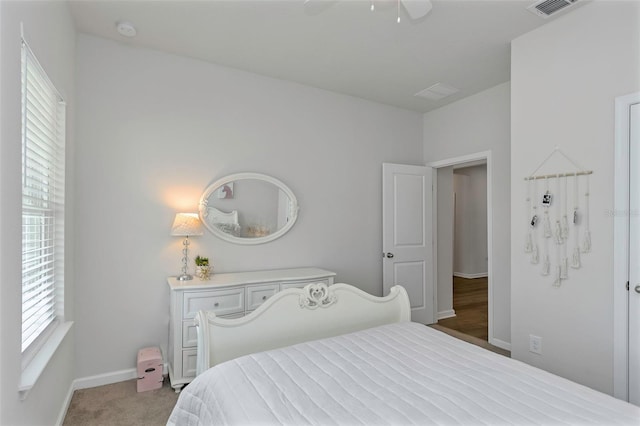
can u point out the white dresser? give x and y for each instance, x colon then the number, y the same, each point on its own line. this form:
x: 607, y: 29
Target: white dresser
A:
x: 229, y: 295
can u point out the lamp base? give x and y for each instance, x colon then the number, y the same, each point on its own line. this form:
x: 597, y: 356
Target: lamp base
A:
x: 185, y: 277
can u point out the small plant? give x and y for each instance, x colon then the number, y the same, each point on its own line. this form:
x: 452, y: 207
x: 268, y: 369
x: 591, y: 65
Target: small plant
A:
x: 203, y: 269
x: 202, y: 261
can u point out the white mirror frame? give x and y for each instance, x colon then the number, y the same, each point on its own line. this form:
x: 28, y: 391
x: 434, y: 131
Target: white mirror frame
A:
x: 203, y: 204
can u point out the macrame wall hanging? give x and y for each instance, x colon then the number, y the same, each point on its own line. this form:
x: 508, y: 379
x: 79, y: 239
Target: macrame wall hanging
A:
x: 556, y: 219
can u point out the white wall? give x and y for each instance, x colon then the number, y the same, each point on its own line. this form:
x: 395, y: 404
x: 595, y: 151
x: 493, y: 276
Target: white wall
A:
x: 565, y: 77
x: 470, y: 222
x: 481, y: 123
x: 155, y: 129
x: 50, y: 32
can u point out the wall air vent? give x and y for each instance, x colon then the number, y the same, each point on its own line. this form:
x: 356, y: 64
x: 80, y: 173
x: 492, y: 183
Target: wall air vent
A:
x: 546, y: 8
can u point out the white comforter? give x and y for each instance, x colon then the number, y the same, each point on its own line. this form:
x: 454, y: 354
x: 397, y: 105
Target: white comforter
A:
x: 397, y: 374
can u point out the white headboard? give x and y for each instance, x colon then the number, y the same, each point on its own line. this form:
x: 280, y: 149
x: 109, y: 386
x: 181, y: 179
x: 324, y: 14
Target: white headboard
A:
x: 295, y: 316
x: 214, y: 216
x: 225, y: 222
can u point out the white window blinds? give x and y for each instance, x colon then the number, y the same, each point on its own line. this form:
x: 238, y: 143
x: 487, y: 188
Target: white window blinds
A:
x: 43, y: 148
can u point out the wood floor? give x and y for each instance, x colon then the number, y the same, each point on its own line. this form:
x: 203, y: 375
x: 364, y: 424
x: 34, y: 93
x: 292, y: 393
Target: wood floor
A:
x: 471, y: 306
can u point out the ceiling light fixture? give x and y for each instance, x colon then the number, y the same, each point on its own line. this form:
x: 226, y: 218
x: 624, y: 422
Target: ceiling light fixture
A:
x: 415, y: 9
x: 126, y: 29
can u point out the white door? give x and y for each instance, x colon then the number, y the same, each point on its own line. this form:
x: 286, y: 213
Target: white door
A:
x: 634, y: 255
x: 407, y: 242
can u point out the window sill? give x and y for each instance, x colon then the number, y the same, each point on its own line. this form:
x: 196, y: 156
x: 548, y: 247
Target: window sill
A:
x: 36, y: 366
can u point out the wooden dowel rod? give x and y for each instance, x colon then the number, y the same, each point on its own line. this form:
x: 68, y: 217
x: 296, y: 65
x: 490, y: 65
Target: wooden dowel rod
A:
x: 557, y: 175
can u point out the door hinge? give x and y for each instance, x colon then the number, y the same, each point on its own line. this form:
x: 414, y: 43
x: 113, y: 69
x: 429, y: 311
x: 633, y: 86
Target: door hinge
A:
x: 627, y: 285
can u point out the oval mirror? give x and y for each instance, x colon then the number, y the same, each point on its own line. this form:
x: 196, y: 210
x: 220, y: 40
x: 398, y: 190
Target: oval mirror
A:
x: 248, y: 208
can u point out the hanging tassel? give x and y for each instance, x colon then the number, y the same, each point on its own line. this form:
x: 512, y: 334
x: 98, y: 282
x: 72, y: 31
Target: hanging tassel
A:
x: 576, y: 216
x: 546, y: 225
x: 558, y: 280
x: 575, y: 261
x: 528, y: 243
x: 546, y: 266
x: 546, y: 202
x: 564, y: 228
x: 565, y: 219
x: 586, y: 241
x: 557, y: 229
x: 564, y: 268
x: 535, y: 255
x: 558, y: 233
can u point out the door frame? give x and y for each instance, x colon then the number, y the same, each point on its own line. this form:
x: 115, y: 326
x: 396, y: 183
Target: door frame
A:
x: 483, y: 156
x: 621, y: 246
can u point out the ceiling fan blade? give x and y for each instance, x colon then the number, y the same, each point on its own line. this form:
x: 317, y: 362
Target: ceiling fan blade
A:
x: 416, y: 9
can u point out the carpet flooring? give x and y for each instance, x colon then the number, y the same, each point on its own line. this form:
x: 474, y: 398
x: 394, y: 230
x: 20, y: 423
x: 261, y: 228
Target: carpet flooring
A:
x: 119, y: 404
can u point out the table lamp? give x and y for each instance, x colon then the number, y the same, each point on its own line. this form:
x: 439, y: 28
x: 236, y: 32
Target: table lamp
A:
x: 186, y: 225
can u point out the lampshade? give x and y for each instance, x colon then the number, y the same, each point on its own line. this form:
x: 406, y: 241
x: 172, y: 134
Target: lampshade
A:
x: 186, y: 225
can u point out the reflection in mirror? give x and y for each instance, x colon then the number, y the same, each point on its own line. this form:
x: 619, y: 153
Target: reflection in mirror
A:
x: 248, y: 208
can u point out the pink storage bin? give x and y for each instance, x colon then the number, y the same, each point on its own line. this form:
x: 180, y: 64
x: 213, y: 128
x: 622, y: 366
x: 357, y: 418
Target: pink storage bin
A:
x: 149, y: 369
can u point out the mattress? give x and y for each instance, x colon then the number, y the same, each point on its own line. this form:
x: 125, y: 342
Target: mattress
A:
x: 397, y: 374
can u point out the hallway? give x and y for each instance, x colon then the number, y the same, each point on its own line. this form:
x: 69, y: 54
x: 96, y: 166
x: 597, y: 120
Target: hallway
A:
x: 471, y: 307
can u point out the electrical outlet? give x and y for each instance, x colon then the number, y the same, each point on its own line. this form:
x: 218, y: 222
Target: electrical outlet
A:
x: 535, y: 344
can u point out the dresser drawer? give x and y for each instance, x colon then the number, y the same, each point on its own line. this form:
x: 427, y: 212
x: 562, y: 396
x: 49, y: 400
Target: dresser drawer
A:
x: 256, y: 295
x: 222, y: 302
x: 189, y: 363
x: 300, y: 284
x: 189, y: 334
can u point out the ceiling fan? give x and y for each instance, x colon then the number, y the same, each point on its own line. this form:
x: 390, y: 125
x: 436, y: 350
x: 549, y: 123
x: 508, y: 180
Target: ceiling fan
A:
x: 416, y: 9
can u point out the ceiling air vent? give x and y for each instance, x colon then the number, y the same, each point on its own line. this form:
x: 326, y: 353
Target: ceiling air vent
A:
x: 547, y: 8
x: 437, y: 91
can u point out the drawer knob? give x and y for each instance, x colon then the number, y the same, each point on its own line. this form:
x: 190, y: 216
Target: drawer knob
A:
x: 216, y: 304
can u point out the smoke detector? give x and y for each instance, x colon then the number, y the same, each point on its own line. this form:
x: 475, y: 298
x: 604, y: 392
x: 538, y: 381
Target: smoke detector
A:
x: 126, y: 29
x: 546, y: 8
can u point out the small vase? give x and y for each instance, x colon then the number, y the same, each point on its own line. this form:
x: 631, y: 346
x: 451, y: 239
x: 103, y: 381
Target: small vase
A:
x: 203, y: 272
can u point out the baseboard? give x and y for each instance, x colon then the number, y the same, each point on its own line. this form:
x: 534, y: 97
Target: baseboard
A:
x: 109, y: 378
x: 446, y: 314
x: 105, y: 379
x: 501, y: 344
x: 65, y: 406
x: 471, y: 276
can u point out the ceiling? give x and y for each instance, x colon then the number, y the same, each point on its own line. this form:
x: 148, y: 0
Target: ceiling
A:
x: 339, y: 46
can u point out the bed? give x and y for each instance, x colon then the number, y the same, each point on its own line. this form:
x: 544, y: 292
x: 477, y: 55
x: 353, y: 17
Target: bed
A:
x: 363, y: 362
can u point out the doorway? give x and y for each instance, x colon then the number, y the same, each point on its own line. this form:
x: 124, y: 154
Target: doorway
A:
x: 469, y: 261
x: 444, y: 253
x: 466, y: 196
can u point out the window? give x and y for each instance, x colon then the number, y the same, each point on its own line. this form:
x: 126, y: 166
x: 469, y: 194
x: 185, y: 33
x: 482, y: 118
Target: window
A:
x: 43, y: 152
